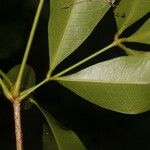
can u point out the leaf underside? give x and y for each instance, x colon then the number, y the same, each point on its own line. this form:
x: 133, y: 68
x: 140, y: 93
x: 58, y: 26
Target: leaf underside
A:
x: 71, y: 22
x: 121, y: 84
x: 142, y: 35
x: 132, y: 12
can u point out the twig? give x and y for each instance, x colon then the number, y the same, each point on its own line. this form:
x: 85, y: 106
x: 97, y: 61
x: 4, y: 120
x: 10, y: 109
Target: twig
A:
x: 18, y: 129
x: 17, y: 86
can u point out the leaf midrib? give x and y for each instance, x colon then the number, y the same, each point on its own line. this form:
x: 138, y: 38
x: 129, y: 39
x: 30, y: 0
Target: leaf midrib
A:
x: 102, y: 81
x: 62, y: 39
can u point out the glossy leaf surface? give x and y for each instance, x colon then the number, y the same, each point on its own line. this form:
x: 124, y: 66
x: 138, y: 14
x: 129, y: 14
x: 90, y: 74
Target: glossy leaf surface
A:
x: 71, y: 22
x: 57, y: 137
x: 121, y: 84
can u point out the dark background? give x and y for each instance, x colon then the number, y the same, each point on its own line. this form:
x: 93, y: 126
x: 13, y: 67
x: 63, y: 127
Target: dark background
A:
x: 98, y: 128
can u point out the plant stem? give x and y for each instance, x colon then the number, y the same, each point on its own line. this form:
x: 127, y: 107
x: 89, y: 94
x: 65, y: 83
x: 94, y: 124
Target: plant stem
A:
x: 18, y: 129
x: 85, y: 60
x: 16, y: 89
x: 5, y: 77
x: 128, y: 50
x: 25, y: 93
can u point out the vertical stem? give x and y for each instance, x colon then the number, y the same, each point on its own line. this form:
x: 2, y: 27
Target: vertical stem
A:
x: 18, y: 129
x: 16, y: 89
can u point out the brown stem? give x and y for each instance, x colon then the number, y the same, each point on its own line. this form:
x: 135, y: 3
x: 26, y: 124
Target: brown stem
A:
x: 18, y: 130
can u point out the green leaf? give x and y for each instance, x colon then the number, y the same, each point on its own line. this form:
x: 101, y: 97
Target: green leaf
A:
x: 71, y: 22
x: 121, y: 84
x: 49, y: 142
x: 56, y: 137
x: 5, y: 78
x: 28, y: 80
x: 142, y: 35
x: 128, y: 12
